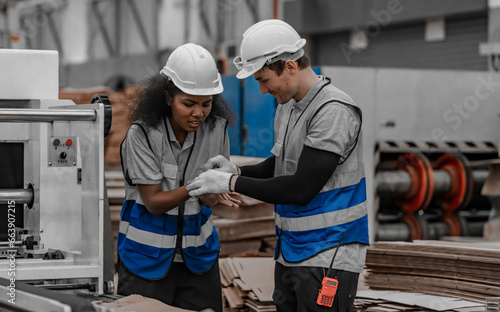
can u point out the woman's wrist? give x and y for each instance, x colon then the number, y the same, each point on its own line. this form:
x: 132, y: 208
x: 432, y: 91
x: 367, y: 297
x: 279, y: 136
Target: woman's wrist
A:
x: 208, y: 200
x: 232, y: 182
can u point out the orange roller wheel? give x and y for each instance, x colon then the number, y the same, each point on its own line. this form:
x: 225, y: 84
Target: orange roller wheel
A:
x: 417, y: 225
x: 460, y: 191
x: 453, y: 224
x: 422, y: 182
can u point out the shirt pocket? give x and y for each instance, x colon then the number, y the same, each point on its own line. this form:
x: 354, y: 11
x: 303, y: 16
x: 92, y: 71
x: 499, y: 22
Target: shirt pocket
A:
x: 169, y: 171
x: 143, y: 216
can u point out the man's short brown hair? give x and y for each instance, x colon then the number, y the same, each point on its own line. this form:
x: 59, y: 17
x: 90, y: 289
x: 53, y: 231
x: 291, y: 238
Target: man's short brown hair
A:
x: 279, y: 66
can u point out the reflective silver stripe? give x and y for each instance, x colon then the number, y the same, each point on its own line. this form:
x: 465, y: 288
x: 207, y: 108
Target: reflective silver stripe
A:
x: 147, y: 238
x: 322, y: 220
x: 166, y: 241
x: 195, y: 241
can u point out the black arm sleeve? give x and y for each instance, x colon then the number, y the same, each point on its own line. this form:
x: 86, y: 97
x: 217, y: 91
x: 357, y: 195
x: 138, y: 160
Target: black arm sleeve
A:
x: 262, y: 170
x: 314, y: 169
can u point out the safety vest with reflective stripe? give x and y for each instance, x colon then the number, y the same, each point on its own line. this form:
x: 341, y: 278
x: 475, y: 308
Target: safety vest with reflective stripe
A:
x: 147, y: 243
x: 340, y: 207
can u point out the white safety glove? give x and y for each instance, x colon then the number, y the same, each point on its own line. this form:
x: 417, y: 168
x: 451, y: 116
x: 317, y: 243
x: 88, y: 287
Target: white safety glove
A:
x: 222, y: 164
x: 211, y: 181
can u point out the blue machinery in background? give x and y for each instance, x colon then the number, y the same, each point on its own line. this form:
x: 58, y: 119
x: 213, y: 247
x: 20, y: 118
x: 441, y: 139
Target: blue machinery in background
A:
x: 253, y: 133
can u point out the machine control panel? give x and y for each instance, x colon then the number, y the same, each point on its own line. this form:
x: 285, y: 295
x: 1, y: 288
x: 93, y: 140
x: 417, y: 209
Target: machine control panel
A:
x: 62, y: 152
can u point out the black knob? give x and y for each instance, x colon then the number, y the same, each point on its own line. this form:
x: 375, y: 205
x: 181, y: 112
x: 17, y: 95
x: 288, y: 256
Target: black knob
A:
x: 102, y: 98
x: 63, y: 155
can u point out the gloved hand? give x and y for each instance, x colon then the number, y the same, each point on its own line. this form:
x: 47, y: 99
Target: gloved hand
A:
x: 211, y: 181
x: 222, y: 164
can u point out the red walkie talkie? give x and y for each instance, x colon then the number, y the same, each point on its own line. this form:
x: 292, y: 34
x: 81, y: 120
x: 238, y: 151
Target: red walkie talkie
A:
x: 329, y: 285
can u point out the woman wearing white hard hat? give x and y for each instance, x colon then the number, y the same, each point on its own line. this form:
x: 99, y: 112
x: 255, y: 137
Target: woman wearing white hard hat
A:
x: 167, y: 244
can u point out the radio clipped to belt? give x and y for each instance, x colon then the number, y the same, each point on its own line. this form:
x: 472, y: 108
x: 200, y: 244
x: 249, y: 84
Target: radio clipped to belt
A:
x: 329, y: 285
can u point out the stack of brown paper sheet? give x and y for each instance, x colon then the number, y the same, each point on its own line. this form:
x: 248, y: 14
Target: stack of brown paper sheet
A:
x: 248, y: 283
x: 464, y: 270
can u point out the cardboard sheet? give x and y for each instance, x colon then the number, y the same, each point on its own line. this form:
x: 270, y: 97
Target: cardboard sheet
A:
x: 139, y: 303
x: 436, y: 303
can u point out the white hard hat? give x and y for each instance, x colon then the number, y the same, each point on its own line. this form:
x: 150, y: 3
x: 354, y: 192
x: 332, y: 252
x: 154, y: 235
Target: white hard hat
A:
x: 267, y: 42
x: 193, y: 70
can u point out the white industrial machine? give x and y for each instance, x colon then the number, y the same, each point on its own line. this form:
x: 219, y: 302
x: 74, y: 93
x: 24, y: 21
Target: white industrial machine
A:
x: 55, y: 230
x: 431, y: 140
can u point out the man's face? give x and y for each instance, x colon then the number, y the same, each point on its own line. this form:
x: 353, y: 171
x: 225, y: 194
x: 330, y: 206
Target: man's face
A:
x: 278, y: 86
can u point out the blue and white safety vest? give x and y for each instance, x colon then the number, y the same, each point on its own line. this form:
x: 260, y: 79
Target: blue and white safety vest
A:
x: 340, y: 207
x: 147, y: 243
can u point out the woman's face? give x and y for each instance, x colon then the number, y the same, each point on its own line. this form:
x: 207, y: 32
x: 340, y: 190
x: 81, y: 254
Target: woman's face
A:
x: 189, y: 111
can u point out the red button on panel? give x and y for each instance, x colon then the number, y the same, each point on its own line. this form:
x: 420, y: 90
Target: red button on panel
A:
x: 69, y: 142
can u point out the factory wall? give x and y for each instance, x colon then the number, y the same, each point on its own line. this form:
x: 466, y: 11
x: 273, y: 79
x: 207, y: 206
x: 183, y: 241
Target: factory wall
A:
x: 98, y: 41
x: 394, y: 33
x: 405, y: 46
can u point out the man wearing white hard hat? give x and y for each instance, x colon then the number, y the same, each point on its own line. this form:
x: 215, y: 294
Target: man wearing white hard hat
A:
x: 315, y: 177
x: 167, y: 244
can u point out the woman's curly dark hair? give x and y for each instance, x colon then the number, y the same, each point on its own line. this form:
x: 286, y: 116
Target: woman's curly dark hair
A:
x: 150, y: 105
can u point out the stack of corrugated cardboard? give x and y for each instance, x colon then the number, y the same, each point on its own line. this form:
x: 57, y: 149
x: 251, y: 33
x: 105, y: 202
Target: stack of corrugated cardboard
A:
x: 82, y: 96
x: 248, y: 283
x: 397, y: 301
x: 248, y: 228
x: 493, y: 304
x: 457, y: 269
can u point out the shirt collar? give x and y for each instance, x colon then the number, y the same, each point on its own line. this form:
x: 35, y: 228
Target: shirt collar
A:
x: 302, y: 104
x: 171, y: 135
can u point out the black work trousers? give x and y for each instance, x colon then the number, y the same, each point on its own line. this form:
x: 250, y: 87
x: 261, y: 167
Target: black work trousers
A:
x: 296, y: 289
x: 179, y: 288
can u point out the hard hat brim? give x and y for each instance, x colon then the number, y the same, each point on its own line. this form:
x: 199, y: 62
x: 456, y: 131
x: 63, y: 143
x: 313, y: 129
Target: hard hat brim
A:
x: 206, y: 91
x: 219, y: 88
x: 249, y: 70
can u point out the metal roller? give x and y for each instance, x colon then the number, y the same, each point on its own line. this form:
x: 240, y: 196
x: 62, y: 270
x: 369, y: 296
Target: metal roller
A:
x: 412, y: 227
x: 412, y: 181
x: 450, y: 183
x: 46, y: 115
x: 393, y: 183
x: 409, y: 228
x: 442, y: 181
x: 398, y: 183
x: 19, y: 196
x: 393, y: 232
